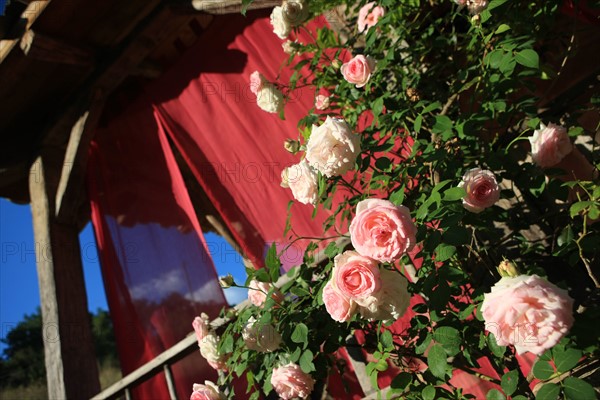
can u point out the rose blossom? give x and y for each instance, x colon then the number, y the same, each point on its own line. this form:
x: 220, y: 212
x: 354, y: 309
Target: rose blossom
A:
x: 358, y: 70
x: 270, y: 99
x: 257, y: 80
x: 332, y: 147
x: 209, y: 350
x: 390, y: 301
x: 476, y: 6
x: 294, y: 12
x: 257, y: 293
x: 321, y: 102
x: 368, y: 16
x: 290, y: 382
x: 549, y: 145
x: 528, y: 312
x: 482, y: 189
x: 302, y: 180
x: 281, y: 27
x: 382, y: 230
x: 261, y: 337
x: 340, y: 307
x: 355, y: 276
x: 208, y: 391
x: 289, y: 47
x: 201, y: 326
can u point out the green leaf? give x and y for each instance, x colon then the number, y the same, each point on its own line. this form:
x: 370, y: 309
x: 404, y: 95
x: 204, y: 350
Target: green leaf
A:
x: 444, y: 252
x: 418, y: 123
x: 226, y: 345
x: 502, y: 28
x: 306, y: 362
x: 510, y: 381
x: 496, y: 349
x: 548, y: 392
x: 436, y: 359
x: 387, y: 341
x: 528, y: 58
x: 245, y: 5
x: 377, y: 106
x: 272, y: 262
x: 398, y: 196
x: 577, y: 389
x: 428, y: 393
x: 332, y: 250
x: 567, y: 359
x: 401, y: 381
x: 576, y: 208
x: 442, y: 124
x: 300, y: 334
x: 455, y: 193
x: 542, y: 369
x: 495, y: 394
x: 447, y: 336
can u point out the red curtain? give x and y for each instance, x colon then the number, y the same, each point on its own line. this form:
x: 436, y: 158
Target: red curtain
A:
x: 157, y: 271
x: 233, y: 147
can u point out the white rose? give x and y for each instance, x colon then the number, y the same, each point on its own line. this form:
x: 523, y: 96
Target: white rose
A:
x: 332, y: 147
x: 208, y: 348
x: 262, y: 338
x: 294, y: 12
x: 390, y: 301
x: 549, y: 145
x: 270, y: 99
x: 281, y: 27
x: 302, y: 180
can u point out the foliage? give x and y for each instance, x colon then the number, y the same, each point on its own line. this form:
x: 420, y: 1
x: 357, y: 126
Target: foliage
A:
x: 451, y: 91
x: 22, y: 363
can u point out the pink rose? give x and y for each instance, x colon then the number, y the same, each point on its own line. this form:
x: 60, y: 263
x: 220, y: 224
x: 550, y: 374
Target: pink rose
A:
x: 482, y: 189
x: 549, y: 145
x: 528, y: 312
x: 358, y: 70
x: 368, y: 16
x: 476, y: 6
x: 382, y: 230
x: 340, y: 307
x: 321, y: 102
x: 256, y: 82
x: 302, y: 180
x: 257, y: 293
x: 355, y: 276
x: 208, y: 391
x: 290, y: 382
x: 201, y: 326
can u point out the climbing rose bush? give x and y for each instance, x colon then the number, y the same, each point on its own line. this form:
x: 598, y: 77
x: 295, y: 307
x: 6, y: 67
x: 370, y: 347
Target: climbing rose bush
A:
x: 459, y: 246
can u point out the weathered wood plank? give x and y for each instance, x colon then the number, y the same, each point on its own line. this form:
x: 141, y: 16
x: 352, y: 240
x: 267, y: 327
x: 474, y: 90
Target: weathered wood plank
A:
x: 71, y: 367
x: 70, y: 192
x: 45, y: 48
x: 219, y: 7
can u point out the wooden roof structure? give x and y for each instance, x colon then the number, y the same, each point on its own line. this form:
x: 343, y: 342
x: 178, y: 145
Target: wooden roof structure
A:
x: 60, y: 61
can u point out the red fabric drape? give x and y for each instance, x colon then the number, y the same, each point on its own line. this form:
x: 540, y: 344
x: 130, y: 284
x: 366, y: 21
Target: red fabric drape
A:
x: 157, y: 272
x: 233, y: 147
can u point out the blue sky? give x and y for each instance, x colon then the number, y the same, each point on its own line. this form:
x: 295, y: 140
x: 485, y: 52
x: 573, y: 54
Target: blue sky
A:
x: 19, y: 292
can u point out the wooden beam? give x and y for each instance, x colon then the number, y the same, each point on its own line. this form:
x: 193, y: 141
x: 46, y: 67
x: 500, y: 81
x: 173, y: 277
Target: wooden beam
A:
x: 218, y: 7
x: 45, y: 48
x: 70, y: 194
x: 71, y: 366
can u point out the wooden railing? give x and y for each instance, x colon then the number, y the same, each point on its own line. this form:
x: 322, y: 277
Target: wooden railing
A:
x: 187, y: 346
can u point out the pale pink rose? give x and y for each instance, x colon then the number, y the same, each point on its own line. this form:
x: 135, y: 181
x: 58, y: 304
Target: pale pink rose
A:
x: 528, y: 312
x: 302, y: 180
x: 382, y: 230
x: 332, y: 147
x: 270, y: 99
x: 476, y: 6
x: 368, y: 16
x: 201, y: 326
x: 340, y: 307
x: 257, y: 293
x: 482, y: 189
x: 263, y: 338
x: 355, y: 276
x: 291, y: 382
x: 257, y: 80
x: 209, y: 350
x: 358, y: 70
x: 322, y: 102
x: 208, y: 391
x: 390, y: 301
x: 549, y: 145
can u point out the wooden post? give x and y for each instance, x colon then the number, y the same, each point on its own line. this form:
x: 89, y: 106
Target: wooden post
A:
x: 71, y: 368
